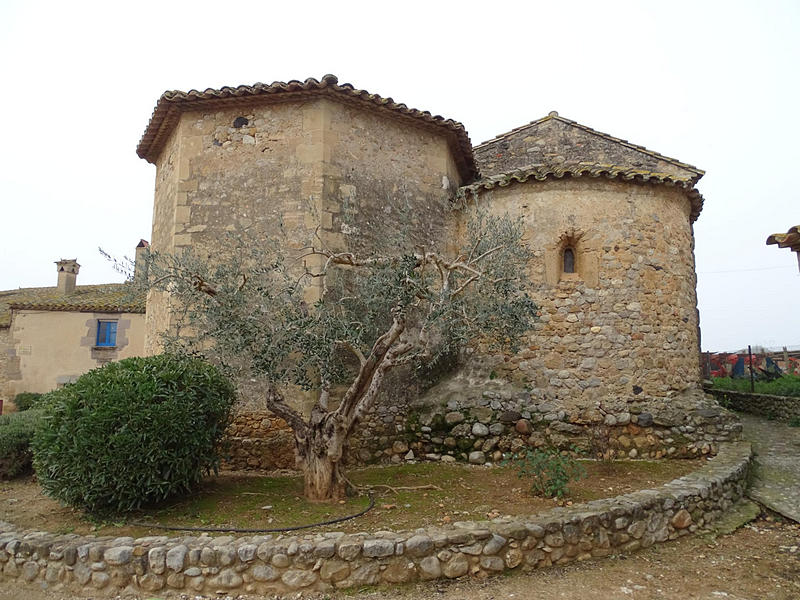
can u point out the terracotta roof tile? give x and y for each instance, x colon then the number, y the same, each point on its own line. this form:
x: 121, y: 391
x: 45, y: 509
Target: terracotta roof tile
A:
x: 544, y: 172
x: 172, y: 103
x: 790, y: 239
x: 109, y: 297
x: 9, y: 296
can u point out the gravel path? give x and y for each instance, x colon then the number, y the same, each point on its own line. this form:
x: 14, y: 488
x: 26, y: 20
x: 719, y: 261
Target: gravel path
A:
x: 777, y: 481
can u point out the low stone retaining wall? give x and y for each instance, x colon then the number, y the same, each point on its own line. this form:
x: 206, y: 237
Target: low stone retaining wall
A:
x: 267, y: 564
x: 781, y: 408
x: 258, y: 441
x: 480, y: 429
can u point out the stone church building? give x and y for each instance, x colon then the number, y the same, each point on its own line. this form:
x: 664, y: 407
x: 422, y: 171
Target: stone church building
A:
x: 609, y: 222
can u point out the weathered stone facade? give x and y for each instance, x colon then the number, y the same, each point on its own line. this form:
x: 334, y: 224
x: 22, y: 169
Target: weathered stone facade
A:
x: 456, y: 421
x: 7, y: 362
x: 618, y: 332
x: 624, y: 326
x: 351, y: 169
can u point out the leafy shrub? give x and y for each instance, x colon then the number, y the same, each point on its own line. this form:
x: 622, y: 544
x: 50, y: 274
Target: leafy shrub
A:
x: 26, y: 400
x: 133, y: 432
x: 16, y: 433
x: 549, y: 471
x: 786, y: 385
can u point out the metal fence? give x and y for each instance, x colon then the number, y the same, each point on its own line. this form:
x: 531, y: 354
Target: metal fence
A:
x: 754, y: 363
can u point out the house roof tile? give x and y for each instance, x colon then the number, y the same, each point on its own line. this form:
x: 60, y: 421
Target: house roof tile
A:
x: 109, y: 297
x: 790, y: 239
x: 172, y: 103
x: 544, y: 172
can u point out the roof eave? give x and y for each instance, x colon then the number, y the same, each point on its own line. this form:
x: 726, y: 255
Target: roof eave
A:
x: 172, y: 104
x: 533, y: 175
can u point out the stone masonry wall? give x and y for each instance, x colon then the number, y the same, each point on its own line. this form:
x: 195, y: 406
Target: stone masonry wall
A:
x: 258, y: 441
x: 358, y: 178
x: 168, y: 197
x: 266, y: 564
x: 218, y: 175
x: 624, y: 327
x: 782, y: 408
x: 7, y: 355
x: 456, y: 422
x: 386, y: 183
x: 461, y: 421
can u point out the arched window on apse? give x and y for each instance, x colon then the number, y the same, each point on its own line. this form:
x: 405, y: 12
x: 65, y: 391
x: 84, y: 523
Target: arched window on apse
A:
x: 568, y: 265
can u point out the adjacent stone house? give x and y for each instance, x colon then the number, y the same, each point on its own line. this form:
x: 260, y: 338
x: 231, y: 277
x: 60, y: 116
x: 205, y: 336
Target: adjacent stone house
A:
x: 49, y: 336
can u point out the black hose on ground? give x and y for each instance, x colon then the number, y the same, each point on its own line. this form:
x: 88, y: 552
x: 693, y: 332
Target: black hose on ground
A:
x: 276, y: 530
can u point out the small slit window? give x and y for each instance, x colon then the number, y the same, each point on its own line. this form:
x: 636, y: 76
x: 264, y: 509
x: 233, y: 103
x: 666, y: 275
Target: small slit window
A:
x: 106, y: 334
x: 569, y: 260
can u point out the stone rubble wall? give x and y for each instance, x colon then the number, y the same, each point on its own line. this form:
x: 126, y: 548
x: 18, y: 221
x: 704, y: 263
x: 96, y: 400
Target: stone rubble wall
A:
x: 625, y: 324
x: 468, y: 423
x: 781, y: 408
x: 6, y: 358
x: 279, y: 564
x: 258, y: 441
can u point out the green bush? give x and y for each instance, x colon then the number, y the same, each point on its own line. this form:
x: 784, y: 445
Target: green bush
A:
x: 131, y: 433
x: 549, y: 471
x: 16, y: 433
x: 26, y: 400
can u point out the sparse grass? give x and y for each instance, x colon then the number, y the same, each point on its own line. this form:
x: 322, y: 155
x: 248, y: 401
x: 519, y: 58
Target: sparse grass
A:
x: 787, y: 385
x: 238, y: 500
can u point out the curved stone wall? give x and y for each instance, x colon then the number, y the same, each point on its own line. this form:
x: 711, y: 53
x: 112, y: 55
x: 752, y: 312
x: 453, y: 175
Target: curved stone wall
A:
x: 781, y: 408
x: 268, y: 564
x: 456, y: 421
x: 624, y: 325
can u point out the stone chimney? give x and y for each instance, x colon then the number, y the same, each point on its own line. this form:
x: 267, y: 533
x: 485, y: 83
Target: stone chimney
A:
x: 140, y: 264
x: 67, y: 274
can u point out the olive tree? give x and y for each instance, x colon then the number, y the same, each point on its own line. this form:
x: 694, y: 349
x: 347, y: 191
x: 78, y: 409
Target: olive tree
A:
x: 316, y: 319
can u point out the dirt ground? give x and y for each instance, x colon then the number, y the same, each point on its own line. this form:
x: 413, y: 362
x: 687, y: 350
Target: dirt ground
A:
x: 458, y: 493
x: 760, y: 561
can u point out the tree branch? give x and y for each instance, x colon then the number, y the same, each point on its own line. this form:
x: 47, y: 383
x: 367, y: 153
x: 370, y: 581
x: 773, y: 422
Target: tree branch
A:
x: 360, y: 355
x: 277, y: 404
x: 365, y: 379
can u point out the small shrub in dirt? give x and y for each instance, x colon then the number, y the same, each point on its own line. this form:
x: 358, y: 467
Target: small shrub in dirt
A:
x: 26, y: 400
x: 16, y: 433
x: 548, y: 471
x: 131, y: 433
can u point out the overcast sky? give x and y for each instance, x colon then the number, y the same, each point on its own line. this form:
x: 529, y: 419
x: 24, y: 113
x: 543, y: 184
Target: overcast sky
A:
x: 714, y: 84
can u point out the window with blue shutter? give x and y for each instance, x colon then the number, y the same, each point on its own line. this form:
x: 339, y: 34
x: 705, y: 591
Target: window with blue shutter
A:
x: 106, y: 333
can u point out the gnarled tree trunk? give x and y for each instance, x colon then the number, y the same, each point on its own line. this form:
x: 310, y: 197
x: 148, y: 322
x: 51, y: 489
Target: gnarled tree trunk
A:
x: 320, y: 440
x: 319, y: 452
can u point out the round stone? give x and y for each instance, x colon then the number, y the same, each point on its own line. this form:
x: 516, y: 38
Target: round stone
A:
x: 477, y: 457
x: 480, y: 430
